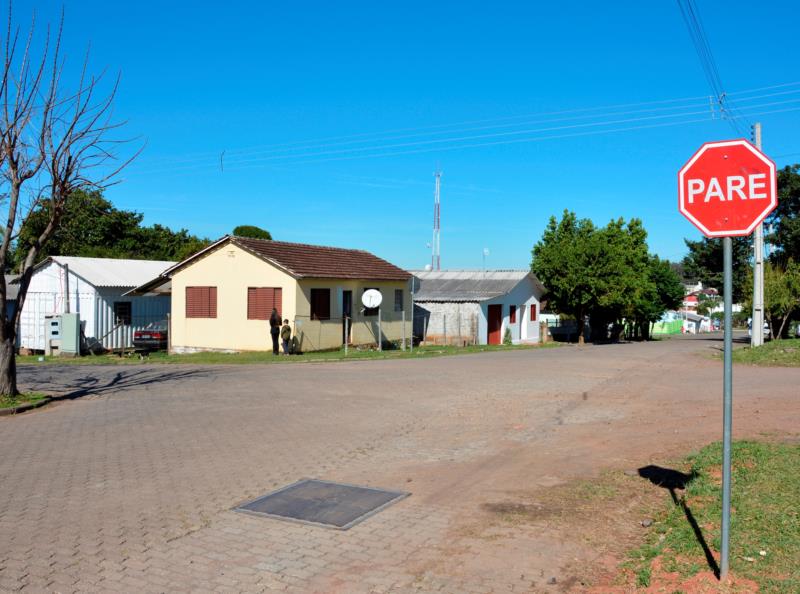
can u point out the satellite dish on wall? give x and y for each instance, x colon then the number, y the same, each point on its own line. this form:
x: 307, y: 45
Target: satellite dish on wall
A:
x: 371, y: 298
x: 428, y: 267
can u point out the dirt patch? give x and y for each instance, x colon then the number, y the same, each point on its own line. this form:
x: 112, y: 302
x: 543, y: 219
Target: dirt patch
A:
x: 705, y: 582
x: 580, y: 516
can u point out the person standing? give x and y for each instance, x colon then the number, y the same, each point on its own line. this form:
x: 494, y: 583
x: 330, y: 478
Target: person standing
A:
x: 286, y: 336
x: 275, y: 330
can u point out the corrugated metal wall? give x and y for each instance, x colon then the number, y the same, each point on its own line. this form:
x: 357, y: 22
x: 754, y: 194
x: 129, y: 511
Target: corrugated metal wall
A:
x: 46, y: 296
x: 144, y: 310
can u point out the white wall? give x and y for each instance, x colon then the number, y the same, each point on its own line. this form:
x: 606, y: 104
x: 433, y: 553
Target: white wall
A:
x: 47, y: 296
x: 461, y: 319
x: 525, y: 296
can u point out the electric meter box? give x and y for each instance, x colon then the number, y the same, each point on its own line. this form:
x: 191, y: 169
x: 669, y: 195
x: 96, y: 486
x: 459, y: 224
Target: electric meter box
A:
x: 70, y: 335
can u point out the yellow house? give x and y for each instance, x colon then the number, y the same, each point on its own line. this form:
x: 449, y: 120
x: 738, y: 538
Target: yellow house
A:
x: 222, y: 296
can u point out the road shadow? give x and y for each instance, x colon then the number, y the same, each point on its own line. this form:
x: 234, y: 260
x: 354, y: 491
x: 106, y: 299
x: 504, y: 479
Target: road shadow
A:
x: 672, y: 480
x: 97, y: 384
x: 735, y: 339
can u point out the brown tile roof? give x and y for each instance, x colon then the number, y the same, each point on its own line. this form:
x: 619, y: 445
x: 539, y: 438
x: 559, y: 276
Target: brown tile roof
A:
x: 315, y: 261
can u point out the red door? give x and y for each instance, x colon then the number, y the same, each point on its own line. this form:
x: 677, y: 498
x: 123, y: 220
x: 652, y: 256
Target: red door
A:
x: 495, y: 323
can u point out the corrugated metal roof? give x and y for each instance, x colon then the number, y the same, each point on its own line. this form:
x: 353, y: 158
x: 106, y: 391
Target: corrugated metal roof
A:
x: 113, y: 272
x: 466, y: 285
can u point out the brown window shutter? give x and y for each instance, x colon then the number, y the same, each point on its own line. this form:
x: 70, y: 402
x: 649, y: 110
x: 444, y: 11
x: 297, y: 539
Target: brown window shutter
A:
x: 252, y: 303
x: 533, y: 312
x: 513, y: 314
x: 212, y: 302
x: 261, y: 301
x: 277, y: 300
x: 201, y: 302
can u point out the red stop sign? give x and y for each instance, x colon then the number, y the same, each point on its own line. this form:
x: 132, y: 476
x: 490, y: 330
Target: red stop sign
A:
x: 727, y: 188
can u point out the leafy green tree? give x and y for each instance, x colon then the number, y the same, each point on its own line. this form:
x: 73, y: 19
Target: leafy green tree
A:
x: 252, y: 231
x: 785, y: 219
x: 781, y: 294
x: 622, y: 264
x: 564, y: 260
x: 663, y: 292
x: 705, y: 303
x: 704, y: 263
x: 605, y: 273
x: 91, y: 226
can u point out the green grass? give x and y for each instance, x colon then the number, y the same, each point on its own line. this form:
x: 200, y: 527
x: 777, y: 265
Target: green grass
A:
x: 261, y: 357
x: 765, y: 496
x: 776, y: 353
x: 25, y: 398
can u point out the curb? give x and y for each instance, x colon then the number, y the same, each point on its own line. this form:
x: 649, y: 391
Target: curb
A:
x: 5, y: 412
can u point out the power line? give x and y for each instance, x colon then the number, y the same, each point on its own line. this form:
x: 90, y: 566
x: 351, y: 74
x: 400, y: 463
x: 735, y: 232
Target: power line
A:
x: 431, y: 129
x: 361, y: 150
x: 438, y: 141
x: 440, y: 129
x: 697, y: 34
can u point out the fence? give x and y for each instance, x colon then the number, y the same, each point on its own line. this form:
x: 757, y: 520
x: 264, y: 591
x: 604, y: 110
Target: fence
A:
x: 119, y: 333
x: 564, y: 330
x: 446, y: 328
x: 392, y: 329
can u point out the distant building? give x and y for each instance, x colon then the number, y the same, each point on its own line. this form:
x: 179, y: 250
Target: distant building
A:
x: 94, y: 288
x: 476, y: 307
x: 223, y: 295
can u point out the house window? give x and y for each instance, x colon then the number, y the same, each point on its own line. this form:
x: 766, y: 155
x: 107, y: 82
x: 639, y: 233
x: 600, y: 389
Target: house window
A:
x: 320, y: 304
x: 370, y: 311
x: 533, y: 312
x: 398, y: 299
x: 262, y: 300
x: 512, y: 314
x: 201, y: 302
x: 122, y: 312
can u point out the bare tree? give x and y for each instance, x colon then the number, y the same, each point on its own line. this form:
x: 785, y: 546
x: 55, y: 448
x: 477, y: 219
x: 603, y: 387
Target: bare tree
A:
x: 53, y: 142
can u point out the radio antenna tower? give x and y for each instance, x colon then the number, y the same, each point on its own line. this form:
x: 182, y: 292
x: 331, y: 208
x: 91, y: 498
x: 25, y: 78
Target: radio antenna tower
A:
x: 436, y: 256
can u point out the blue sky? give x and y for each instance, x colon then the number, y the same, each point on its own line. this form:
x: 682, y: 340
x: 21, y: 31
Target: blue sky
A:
x: 334, y: 116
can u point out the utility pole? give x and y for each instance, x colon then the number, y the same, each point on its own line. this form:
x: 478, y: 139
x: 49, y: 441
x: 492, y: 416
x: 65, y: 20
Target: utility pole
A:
x: 757, y: 324
x: 436, y: 257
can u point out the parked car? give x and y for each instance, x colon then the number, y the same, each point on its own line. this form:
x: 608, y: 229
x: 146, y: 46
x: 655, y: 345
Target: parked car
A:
x: 152, y: 337
x: 750, y: 329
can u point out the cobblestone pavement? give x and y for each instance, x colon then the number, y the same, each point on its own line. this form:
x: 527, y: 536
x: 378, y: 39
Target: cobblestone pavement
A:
x: 128, y: 486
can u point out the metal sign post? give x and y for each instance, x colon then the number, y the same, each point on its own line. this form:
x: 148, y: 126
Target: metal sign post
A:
x: 727, y: 405
x: 726, y: 190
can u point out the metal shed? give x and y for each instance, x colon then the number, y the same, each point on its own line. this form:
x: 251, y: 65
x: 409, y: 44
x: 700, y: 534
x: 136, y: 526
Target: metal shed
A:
x: 94, y: 288
x: 476, y: 306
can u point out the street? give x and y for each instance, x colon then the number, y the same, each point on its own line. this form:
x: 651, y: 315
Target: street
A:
x: 128, y: 484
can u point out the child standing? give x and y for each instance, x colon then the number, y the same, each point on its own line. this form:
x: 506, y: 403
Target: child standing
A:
x: 286, y: 336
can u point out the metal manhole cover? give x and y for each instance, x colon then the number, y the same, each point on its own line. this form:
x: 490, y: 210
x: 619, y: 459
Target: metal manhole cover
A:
x: 323, y: 503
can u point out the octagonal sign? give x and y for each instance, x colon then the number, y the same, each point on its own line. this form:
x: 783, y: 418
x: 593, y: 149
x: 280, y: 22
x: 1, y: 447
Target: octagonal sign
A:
x: 727, y: 188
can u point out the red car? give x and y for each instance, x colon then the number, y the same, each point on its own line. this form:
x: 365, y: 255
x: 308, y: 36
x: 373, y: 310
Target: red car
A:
x: 152, y: 337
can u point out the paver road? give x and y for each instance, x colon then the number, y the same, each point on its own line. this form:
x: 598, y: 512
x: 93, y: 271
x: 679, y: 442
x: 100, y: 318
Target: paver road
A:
x: 129, y: 485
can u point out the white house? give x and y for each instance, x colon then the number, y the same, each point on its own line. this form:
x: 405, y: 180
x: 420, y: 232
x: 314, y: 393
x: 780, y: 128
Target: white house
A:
x: 476, y: 307
x: 93, y: 288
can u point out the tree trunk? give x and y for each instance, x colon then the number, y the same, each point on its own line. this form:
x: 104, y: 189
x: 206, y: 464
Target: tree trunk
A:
x: 8, y: 368
x: 783, y: 324
x: 645, y: 329
x: 580, y: 323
